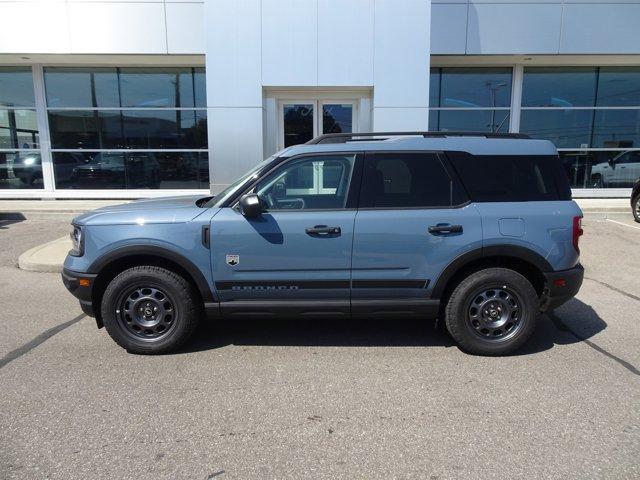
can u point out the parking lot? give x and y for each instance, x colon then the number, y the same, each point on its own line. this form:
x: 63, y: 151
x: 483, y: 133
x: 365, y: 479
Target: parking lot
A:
x: 321, y: 399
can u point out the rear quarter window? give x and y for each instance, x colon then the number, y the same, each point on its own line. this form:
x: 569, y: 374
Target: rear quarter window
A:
x: 511, y: 178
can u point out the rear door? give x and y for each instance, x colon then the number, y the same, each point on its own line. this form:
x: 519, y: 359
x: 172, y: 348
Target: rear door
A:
x: 296, y: 257
x: 414, y: 218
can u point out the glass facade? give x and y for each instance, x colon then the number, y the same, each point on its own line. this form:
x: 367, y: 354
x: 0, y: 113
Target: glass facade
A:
x: 470, y: 99
x: 592, y: 115
x: 108, y: 128
x: 127, y: 128
x: 20, y: 159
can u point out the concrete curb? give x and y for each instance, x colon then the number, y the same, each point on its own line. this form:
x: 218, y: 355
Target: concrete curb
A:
x: 47, y: 257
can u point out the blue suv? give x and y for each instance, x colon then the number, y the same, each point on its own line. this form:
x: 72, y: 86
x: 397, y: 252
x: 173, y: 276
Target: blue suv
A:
x: 478, y: 230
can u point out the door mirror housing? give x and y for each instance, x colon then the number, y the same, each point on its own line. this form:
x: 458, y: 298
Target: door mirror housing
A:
x: 251, y: 205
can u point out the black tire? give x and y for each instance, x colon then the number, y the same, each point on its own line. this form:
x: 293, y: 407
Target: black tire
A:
x: 172, y: 304
x: 636, y: 208
x: 597, y: 181
x: 480, y: 334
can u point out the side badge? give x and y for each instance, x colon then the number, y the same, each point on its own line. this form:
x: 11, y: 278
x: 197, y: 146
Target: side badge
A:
x: 233, y: 260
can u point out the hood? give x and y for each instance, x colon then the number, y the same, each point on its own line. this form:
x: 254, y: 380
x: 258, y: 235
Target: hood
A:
x: 176, y: 209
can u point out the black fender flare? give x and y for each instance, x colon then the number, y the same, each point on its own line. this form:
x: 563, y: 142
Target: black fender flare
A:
x: 154, y: 250
x: 510, y: 251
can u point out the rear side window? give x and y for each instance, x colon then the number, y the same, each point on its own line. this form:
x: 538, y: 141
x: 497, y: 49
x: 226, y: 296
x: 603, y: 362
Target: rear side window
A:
x: 408, y: 180
x: 511, y: 178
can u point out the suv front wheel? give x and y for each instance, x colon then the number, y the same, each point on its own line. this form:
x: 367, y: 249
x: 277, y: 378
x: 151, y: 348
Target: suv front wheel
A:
x: 492, y: 311
x: 150, y: 310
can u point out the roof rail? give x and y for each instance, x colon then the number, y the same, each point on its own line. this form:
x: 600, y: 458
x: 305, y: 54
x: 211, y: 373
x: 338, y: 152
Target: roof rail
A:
x: 355, y: 137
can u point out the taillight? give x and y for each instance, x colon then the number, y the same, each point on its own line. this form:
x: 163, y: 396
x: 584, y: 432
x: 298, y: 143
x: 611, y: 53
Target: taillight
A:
x: 577, y: 232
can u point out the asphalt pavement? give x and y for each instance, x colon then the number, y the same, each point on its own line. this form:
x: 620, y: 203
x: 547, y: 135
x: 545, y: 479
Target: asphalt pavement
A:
x: 321, y: 399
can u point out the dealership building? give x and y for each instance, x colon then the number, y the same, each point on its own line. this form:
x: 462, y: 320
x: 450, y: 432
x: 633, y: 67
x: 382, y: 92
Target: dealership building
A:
x: 125, y: 98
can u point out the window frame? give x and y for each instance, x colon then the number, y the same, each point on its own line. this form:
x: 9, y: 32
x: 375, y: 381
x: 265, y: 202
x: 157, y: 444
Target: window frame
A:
x: 353, y: 190
x: 446, y: 165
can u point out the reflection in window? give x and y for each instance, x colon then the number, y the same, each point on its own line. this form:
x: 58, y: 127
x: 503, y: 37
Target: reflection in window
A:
x: 618, y: 86
x: 131, y: 170
x: 470, y: 87
x: 601, y: 169
x: 559, y: 87
x: 616, y: 128
x: 20, y: 170
x: 82, y: 88
x: 494, y: 121
x: 565, y: 128
x: 125, y: 87
x: 298, y: 123
x: 405, y: 180
x: 337, y: 118
x: 320, y: 182
x: 18, y: 129
x: 98, y: 129
x: 16, y: 87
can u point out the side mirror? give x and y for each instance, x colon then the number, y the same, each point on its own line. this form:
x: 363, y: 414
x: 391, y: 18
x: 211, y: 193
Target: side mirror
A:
x: 251, y: 205
x: 611, y: 161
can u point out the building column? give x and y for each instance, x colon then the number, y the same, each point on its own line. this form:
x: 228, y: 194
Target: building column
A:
x: 401, y: 65
x: 234, y: 88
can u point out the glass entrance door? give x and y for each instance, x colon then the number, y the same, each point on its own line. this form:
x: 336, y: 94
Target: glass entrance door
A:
x: 300, y: 121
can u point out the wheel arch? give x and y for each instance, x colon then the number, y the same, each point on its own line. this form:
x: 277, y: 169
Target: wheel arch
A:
x: 520, y: 259
x: 112, y: 263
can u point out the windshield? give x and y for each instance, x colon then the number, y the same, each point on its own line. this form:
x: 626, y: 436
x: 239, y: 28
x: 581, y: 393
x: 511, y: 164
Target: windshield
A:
x: 228, y: 192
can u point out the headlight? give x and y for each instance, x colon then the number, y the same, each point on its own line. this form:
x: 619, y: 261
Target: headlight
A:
x: 77, y: 241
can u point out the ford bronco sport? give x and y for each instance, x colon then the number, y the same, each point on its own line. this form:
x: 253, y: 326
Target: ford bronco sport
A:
x: 478, y: 230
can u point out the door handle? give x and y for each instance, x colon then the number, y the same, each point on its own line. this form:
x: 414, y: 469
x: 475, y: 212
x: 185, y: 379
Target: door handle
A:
x: 323, y: 230
x: 444, y: 228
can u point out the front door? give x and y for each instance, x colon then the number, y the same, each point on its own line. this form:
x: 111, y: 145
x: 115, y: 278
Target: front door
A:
x: 296, y: 257
x: 412, y: 221
x: 301, y: 120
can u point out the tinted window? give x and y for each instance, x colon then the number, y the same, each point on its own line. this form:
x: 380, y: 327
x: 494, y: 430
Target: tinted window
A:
x: 494, y: 121
x: 76, y: 87
x: 619, y: 86
x: 139, y: 170
x: 559, y: 87
x: 565, y: 128
x: 405, y: 180
x: 18, y: 129
x: 471, y: 88
x: 128, y: 129
x: 511, y: 178
x: 319, y: 182
x: 16, y: 87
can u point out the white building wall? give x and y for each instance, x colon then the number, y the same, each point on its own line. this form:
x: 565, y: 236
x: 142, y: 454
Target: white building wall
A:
x: 305, y: 46
x: 102, y: 27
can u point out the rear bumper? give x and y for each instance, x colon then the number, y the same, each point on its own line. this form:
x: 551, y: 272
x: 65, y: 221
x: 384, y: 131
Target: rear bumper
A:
x: 84, y: 293
x: 562, y: 286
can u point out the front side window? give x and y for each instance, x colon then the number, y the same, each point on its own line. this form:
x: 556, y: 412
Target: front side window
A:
x: 318, y: 182
x: 408, y: 180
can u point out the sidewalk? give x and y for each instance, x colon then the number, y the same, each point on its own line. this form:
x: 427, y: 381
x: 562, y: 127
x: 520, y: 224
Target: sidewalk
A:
x: 47, y: 257
x: 54, y: 206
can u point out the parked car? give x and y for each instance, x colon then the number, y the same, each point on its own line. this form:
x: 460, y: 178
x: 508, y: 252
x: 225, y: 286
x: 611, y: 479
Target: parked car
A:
x: 619, y: 171
x: 635, y: 200
x: 28, y: 168
x: 117, y: 170
x: 478, y: 230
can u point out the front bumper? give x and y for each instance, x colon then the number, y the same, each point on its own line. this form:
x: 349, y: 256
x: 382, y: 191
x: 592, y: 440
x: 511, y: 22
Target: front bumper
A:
x: 562, y: 286
x: 83, y: 291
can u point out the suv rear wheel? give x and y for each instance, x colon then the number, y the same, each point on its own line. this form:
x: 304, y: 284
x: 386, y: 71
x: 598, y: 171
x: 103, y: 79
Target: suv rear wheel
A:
x: 150, y: 310
x: 492, y: 311
x: 636, y: 208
